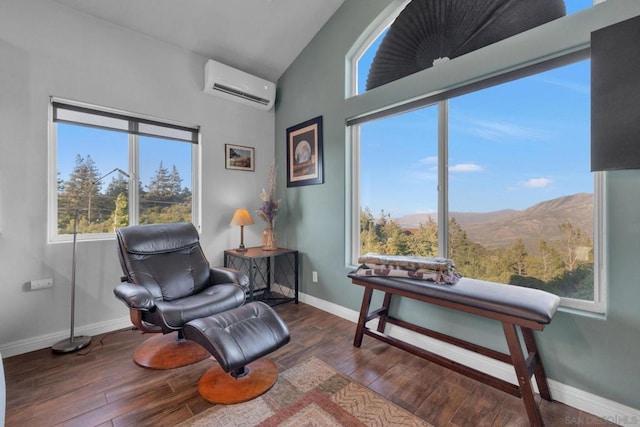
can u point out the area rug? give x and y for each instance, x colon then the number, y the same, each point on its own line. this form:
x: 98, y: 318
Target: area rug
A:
x: 310, y: 394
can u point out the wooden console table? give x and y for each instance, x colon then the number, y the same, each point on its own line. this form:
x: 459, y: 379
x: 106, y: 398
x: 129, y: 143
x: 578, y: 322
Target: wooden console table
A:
x: 265, y: 270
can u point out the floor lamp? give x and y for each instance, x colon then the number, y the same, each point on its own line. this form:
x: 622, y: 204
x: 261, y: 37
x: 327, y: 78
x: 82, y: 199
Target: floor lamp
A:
x: 75, y: 343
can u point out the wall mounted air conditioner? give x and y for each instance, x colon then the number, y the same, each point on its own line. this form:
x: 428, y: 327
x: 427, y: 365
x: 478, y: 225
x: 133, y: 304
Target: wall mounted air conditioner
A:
x: 236, y: 85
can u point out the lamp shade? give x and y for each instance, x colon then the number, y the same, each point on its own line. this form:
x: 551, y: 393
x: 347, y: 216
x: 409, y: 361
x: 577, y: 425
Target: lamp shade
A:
x: 241, y: 217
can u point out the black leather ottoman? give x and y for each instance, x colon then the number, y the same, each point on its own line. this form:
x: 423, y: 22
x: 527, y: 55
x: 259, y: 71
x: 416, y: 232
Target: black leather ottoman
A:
x: 238, y: 339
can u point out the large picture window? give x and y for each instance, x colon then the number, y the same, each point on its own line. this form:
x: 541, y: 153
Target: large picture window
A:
x: 111, y: 169
x: 507, y: 194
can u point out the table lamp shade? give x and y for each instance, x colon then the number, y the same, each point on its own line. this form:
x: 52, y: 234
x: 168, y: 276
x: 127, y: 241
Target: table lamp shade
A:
x: 241, y: 217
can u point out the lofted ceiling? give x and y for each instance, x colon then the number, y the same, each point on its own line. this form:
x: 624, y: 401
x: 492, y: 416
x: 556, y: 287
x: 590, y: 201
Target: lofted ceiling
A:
x: 261, y: 37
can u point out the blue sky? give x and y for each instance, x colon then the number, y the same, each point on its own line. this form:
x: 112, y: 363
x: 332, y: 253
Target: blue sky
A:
x: 510, y: 146
x: 109, y: 150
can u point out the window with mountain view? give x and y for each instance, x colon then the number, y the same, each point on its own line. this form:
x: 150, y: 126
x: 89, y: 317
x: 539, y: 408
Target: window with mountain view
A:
x: 497, y: 179
x: 114, y: 170
x: 520, y: 187
x: 520, y: 196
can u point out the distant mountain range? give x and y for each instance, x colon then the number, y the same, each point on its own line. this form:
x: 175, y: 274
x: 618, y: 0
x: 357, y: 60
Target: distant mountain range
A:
x: 539, y: 222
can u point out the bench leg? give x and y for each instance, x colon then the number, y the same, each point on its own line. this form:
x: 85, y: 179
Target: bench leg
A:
x: 382, y: 323
x: 523, y: 375
x: 362, y: 320
x: 541, y: 376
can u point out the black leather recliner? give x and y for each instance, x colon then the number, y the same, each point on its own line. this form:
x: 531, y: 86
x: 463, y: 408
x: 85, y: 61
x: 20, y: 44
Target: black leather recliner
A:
x: 168, y: 282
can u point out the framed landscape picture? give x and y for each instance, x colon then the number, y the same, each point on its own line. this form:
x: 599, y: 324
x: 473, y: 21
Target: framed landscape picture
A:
x: 239, y: 157
x: 304, y: 153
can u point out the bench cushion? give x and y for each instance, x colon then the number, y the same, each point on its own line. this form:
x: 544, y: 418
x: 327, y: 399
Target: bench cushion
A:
x: 525, y: 303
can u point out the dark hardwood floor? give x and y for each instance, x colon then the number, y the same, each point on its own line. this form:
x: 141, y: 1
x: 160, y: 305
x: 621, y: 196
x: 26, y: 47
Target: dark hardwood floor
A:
x: 101, y: 386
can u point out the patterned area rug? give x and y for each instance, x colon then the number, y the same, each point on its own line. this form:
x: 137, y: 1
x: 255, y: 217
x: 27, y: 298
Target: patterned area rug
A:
x: 310, y: 394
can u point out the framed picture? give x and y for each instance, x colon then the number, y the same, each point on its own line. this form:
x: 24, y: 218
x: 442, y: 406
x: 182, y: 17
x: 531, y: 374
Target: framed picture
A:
x: 304, y: 153
x: 239, y: 158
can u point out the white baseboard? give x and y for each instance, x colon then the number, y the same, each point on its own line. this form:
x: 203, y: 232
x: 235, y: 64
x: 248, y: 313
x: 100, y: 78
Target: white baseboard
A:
x: 611, y: 411
x: 44, y: 341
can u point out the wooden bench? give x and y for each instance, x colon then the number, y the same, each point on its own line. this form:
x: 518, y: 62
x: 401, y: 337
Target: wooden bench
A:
x: 516, y: 307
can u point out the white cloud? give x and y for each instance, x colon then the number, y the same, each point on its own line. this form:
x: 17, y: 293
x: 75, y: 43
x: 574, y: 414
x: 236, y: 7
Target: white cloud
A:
x: 422, y: 176
x: 429, y: 160
x: 566, y: 84
x: 494, y: 130
x: 465, y: 167
x: 537, y: 182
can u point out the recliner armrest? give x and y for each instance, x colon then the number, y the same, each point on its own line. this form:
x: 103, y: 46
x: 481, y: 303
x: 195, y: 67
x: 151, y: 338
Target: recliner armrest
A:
x: 229, y: 275
x: 134, y: 296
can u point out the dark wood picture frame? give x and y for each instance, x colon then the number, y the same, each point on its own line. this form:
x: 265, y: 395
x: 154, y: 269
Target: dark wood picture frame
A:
x: 304, y: 153
x: 239, y: 157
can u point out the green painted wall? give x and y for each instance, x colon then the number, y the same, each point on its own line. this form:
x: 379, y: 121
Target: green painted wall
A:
x: 591, y: 353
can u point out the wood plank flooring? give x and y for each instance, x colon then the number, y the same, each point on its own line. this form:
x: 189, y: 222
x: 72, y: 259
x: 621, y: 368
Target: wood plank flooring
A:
x: 101, y: 386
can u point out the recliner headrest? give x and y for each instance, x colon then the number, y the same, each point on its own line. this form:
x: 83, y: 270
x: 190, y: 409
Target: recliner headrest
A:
x: 157, y: 238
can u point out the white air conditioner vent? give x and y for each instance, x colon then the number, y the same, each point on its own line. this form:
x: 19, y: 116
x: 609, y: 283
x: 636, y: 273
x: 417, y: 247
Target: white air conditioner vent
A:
x: 236, y: 85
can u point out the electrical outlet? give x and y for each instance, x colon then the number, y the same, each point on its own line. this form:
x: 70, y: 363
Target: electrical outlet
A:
x: 314, y: 276
x: 41, y: 284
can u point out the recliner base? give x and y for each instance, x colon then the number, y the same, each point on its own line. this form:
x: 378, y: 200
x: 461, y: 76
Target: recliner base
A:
x: 167, y: 352
x: 218, y: 386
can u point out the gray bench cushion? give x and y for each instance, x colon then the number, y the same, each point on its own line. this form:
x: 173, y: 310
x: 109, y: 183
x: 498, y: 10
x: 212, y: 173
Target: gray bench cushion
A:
x: 525, y: 303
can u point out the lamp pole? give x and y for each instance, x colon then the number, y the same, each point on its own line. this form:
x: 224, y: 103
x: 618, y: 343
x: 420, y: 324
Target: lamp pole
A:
x: 75, y: 343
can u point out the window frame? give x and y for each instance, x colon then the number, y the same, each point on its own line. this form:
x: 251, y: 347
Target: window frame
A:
x: 598, y: 304
x: 133, y: 167
x: 384, y: 20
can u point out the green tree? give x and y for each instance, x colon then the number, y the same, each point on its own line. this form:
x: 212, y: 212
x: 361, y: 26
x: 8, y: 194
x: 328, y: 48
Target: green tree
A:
x: 165, y: 200
x: 549, y: 263
x: 120, y: 215
x: 160, y: 189
x: 424, y: 242
x: 395, y: 238
x: 572, y: 246
x: 175, y: 186
x: 517, y: 256
x: 368, y: 237
x: 79, y: 193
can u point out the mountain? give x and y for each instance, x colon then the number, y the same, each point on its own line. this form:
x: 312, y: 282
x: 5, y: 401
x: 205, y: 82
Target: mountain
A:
x: 538, y: 222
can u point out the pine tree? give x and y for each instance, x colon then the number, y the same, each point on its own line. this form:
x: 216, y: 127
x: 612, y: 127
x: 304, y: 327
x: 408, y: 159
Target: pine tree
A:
x: 175, y: 185
x: 79, y: 192
x: 159, y: 189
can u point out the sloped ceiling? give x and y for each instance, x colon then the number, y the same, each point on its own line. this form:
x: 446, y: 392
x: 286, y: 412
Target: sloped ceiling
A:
x: 261, y: 37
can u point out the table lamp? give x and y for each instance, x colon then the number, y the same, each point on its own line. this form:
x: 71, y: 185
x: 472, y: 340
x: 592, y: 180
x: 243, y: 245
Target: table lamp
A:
x: 241, y: 217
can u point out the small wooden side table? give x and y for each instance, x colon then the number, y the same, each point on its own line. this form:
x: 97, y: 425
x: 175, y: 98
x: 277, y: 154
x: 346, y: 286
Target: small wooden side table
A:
x: 266, y: 270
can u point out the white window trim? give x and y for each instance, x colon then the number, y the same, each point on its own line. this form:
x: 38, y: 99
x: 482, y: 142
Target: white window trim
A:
x: 600, y: 262
x: 52, y: 193
x: 384, y: 20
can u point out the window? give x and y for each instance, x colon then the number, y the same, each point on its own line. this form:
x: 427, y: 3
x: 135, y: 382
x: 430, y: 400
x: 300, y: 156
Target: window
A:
x: 111, y: 169
x: 507, y: 194
x: 405, y: 53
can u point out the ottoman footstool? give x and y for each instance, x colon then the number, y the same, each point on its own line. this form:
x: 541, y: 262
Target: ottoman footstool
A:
x: 237, y: 339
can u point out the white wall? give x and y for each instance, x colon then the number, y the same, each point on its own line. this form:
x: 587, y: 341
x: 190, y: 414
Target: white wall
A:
x: 47, y: 49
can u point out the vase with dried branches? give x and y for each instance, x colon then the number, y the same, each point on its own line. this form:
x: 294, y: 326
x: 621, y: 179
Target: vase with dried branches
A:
x: 269, y: 211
